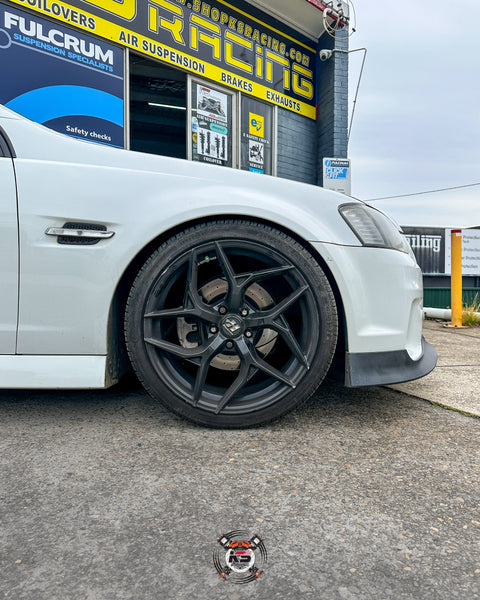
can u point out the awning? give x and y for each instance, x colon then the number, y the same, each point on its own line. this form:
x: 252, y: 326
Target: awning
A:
x: 306, y: 16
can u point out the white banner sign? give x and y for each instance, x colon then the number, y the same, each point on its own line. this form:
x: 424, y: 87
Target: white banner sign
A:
x: 470, y: 251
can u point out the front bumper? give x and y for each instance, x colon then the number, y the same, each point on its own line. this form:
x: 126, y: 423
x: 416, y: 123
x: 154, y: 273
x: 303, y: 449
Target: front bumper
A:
x: 381, y: 368
x: 382, y: 297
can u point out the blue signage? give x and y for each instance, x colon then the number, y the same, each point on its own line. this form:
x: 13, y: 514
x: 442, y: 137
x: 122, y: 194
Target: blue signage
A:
x: 59, y: 77
x: 336, y: 169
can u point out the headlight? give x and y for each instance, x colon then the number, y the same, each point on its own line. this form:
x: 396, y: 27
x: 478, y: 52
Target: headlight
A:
x: 373, y: 228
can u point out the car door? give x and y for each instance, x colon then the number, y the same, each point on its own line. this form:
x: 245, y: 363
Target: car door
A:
x: 8, y: 250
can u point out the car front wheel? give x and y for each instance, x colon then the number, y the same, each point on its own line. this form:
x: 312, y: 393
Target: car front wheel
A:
x: 231, y: 324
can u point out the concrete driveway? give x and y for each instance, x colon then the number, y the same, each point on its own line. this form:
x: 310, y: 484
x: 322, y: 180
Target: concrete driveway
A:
x: 361, y: 494
x: 455, y: 382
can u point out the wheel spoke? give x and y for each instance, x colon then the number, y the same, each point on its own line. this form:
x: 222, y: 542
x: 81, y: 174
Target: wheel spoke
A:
x: 237, y: 284
x: 226, y: 266
x: 211, y: 350
x: 192, y: 296
x: 265, y: 274
x: 171, y: 312
x: 249, y: 360
x: 269, y: 370
x: 249, y: 355
x: 193, y: 305
x: 267, y: 318
x: 174, y: 349
x: 236, y: 292
x: 186, y: 353
x: 287, y: 302
x: 287, y: 334
x: 236, y: 386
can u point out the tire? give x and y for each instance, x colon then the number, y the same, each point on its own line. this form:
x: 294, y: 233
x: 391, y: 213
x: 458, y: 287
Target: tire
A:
x: 231, y: 324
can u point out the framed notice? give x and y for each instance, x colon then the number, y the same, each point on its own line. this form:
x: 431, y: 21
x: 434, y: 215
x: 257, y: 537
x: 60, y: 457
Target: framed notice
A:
x: 256, y: 136
x: 211, y: 122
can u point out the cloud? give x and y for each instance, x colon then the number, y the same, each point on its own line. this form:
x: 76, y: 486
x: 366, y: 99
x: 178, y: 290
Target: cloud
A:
x: 417, y: 119
x: 449, y: 208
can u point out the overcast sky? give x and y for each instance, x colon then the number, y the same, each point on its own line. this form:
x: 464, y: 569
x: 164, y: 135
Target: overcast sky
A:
x: 417, y: 117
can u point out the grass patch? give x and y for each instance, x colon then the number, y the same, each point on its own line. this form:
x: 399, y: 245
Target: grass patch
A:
x: 470, y: 313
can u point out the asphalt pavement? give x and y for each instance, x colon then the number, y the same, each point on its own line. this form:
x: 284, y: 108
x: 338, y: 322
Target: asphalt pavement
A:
x: 359, y: 494
x: 455, y: 382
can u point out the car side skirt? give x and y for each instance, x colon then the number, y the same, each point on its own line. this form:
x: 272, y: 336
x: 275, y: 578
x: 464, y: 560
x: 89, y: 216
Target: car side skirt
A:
x: 381, y: 368
x: 54, y: 372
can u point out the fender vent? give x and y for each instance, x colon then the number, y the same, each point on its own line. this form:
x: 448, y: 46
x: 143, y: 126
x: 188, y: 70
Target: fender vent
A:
x: 80, y: 240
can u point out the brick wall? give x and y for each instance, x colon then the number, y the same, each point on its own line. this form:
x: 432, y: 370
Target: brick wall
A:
x: 296, y: 147
x: 332, y: 114
x: 302, y: 143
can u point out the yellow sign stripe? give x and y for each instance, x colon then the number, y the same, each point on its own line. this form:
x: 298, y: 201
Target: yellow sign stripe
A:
x: 292, y: 39
x: 167, y: 54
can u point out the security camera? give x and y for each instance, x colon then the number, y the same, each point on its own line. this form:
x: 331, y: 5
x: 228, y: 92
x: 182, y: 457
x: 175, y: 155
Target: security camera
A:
x: 325, y: 55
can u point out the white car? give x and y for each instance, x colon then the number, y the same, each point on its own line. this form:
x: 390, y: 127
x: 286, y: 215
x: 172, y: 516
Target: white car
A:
x: 229, y: 293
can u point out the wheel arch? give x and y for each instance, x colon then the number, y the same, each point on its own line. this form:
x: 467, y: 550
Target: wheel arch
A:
x: 118, y: 361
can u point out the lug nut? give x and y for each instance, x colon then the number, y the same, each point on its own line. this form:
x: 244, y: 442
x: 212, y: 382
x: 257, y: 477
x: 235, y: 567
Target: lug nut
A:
x: 213, y: 329
x: 244, y: 312
x: 248, y: 333
x: 223, y: 310
x: 229, y: 345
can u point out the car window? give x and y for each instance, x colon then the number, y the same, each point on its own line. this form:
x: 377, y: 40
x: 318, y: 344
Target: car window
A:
x: 5, y: 145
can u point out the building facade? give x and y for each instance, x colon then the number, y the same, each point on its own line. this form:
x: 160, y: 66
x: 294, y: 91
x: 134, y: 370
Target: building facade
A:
x: 239, y: 83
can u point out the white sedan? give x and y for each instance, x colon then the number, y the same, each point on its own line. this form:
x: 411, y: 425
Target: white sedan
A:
x: 229, y: 293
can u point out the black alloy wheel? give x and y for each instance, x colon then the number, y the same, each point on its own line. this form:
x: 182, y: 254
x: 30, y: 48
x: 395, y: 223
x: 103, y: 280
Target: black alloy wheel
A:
x: 231, y: 324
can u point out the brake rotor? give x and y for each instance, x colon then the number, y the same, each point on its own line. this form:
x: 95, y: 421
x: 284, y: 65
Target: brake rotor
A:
x: 213, y: 291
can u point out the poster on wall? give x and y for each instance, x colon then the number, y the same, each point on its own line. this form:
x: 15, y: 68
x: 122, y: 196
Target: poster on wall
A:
x: 470, y: 251
x: 256, y: 136
x: 68, y: 81
x: 211, y: 125
x: 337, y: 175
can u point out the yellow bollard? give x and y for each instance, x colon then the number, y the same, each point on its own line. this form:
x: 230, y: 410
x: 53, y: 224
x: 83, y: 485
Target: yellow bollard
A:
x: 456, y: 281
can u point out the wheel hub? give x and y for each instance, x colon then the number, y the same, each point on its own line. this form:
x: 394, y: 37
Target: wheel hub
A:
x: 211, y: 292
x: 232, y: 326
